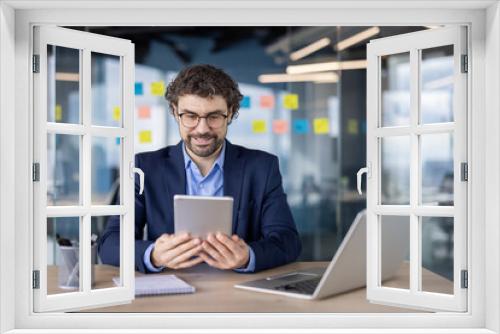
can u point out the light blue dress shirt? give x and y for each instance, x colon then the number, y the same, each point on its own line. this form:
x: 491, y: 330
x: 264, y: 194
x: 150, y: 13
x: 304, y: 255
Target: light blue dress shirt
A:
x: 211, y: 184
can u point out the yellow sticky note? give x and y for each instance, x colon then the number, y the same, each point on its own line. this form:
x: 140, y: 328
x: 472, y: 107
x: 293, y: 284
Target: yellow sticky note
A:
x: 259, y: 126
x: 117, y: 113
x: 145, y: 137
x: 291, y: 101
x: 158, y: 88
x: 58, y: 112
x: 352, y: 126
x: 321, y: 126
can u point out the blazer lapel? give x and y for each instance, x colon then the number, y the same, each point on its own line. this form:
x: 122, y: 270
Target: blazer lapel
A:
x: 174, y: 176
x: 233, y: 177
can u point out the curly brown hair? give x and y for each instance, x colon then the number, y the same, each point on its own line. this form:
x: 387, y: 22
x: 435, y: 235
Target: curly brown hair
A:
x: 205, y: 81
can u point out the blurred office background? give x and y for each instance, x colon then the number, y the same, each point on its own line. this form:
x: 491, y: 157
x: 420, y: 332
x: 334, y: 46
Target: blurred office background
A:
x: 314, y: 122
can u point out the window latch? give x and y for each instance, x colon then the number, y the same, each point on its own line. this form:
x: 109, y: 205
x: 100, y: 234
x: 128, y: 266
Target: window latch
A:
x: 139, y: 171
x: 360, y: 173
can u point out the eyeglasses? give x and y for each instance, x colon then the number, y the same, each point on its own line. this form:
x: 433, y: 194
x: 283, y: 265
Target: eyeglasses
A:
x: 214, y: 120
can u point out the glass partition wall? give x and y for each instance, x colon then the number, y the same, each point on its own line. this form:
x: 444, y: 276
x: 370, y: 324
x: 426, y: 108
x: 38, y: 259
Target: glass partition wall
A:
x: 304, y: 101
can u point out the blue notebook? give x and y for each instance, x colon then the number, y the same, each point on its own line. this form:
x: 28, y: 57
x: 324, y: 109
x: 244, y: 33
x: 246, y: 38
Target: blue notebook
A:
x: 149, y: 285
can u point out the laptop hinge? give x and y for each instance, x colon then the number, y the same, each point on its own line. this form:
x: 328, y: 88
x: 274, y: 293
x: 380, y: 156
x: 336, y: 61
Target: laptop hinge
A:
x: 464, y: 279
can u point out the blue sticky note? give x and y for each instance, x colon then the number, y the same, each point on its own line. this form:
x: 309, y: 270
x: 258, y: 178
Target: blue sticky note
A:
x: 118, y: 140
x: 245, y: 103
x: 301, y: 126
x: 139, y: 90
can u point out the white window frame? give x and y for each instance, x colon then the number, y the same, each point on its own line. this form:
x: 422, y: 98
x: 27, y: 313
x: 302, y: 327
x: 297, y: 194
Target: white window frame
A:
x: 16, y: 21
x: 412, y: 44
x: 86, y: 44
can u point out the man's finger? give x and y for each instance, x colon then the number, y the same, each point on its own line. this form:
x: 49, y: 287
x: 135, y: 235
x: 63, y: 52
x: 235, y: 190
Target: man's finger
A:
x: 177, y: 240
x: 207, y: 247
x: 183, y: 248
x: 190, y: 263
x: 228, y: 242
x: 210, y: 261
x: 219, y: 246
x: 184, y: 256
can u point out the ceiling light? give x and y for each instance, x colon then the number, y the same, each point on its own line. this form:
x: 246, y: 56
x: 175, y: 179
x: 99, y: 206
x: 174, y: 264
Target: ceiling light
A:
x: 283, y: 77
x: 355, y: 39
x: 311, y: 48
x: 328, y: 66
x: 62, y: 76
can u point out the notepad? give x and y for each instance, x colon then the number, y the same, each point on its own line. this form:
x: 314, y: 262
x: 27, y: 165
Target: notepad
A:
x: 159, y: 285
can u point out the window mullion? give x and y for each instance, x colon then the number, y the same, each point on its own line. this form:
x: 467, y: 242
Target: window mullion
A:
x: 85, y: 255
x: 414, y: 173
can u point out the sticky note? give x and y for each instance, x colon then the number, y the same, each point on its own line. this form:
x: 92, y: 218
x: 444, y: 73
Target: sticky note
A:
x: 259, y: 126
x: 145, y: 137
x: 301, y: 126
x: 267, y: 101
x: 158, y: 88
x: 139, y: 89
x: 291, y: 101
x: 245, y: 103
x: 117, y: 140
x: 117, y: 113
x: 321, y: 126
x: 352, y: 126
x: 280, y: 126
x: 144, y: 112
x: 58, y: 111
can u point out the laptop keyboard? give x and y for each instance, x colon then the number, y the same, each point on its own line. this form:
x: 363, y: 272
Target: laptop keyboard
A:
x: 304, y: 287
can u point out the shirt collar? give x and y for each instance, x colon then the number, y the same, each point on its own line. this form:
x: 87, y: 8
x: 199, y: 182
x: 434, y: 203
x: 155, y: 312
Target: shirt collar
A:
x: 218, y: 162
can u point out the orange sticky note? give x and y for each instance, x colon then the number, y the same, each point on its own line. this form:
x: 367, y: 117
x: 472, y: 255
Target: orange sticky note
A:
x: 144, y: 112
x: 158, y: 88
x: 291, y: 101
x: 280, y: 126
x: 58, y: 111
x: 117, y: 113
x: 259, y: 126
x: 145, y: 137
x: 267, y: 101
x: 321, y: 126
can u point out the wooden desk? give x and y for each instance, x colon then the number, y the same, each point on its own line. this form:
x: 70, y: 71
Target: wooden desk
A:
x: 215, y: 293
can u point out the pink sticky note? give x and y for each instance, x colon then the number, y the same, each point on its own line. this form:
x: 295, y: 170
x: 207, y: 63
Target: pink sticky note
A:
x: 280, y: 126
x: 144, y: 112
x: 267, y: 101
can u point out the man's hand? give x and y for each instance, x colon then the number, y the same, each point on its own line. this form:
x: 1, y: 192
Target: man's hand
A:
x: 176, y: 251
x: 223, y: 252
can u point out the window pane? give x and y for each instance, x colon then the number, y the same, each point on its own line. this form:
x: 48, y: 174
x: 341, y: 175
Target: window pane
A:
x: 437, y: 254
x: 395, y: 248
x: 106, y: 155
x: 437, y: 169
x: 395, y: 178
x: 436, y: 73
x: 63, y: 238
x: 395, y: 85
x: 106, y: 90
x: 63, y: 85
x: 102, y: 275
x: 63, y: 169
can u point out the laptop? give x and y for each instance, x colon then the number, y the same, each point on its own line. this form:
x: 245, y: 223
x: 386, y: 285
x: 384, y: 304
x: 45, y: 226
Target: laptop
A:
x: 347, y: 269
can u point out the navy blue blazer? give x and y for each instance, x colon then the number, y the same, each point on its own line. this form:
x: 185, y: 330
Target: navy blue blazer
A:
x: 261, y: 215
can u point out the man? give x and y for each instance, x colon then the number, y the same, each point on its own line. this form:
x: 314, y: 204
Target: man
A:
x: 204, y: 100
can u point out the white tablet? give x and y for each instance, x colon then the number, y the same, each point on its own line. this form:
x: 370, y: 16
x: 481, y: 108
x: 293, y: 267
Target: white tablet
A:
x: 201, y: 215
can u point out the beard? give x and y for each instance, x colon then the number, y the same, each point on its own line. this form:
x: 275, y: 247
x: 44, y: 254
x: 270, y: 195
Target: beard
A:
x: 204, y: 151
